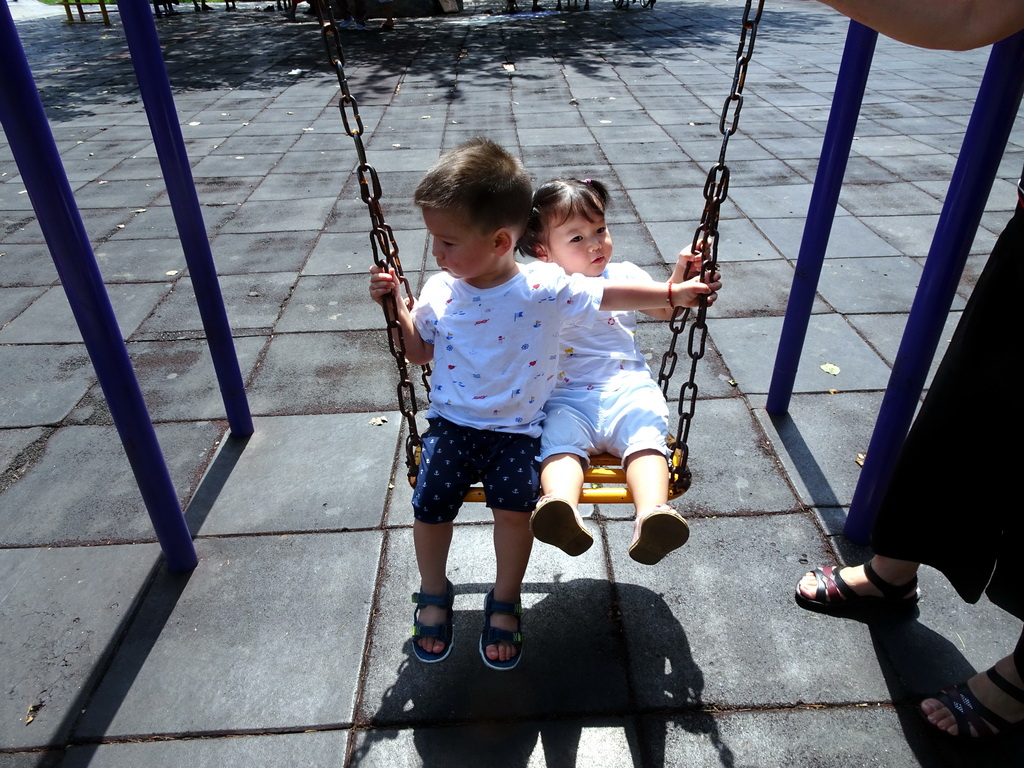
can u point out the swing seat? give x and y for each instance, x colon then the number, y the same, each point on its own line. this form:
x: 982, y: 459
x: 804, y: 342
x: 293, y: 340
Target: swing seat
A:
x: 604, y: 481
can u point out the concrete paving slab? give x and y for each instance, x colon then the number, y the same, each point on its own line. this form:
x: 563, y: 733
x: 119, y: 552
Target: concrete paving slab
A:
x: 871, y: 736
x: 97, y: 500
x: 281, y: 216
x: 351, y: 252
x: 252, y: 301
x: 177, y: 379
x: 734, y: 472
x: 63, y: 611
x: 703, y: 657
x: 325, y: 373
x: 850, y: 238
x: 49, y: 320
x: 821, y: 461
x: 14, y: 441
x: 331, y: 303
x: 885, y: 332
x: 560, y: 593
x: 158, y: 222
x: 140, y: 261
x: 230, y: 648
x: 572, y: 744
x: 266, y: 484
x: 266, y: 252
x: 40, y: 384
x: 853, y: 286
x: 750, y: 345
x: 14, y: 301
x: 316, y: 748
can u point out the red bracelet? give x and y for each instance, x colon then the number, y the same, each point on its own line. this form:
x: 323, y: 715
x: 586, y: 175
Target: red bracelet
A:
x: 670, y: 294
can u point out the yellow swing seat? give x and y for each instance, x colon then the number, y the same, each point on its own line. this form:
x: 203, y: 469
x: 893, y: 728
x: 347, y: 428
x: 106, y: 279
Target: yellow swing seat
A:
x: 604, y: 480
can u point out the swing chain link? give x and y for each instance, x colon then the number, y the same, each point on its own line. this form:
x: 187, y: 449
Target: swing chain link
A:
x: 705, y: 239
x: 382, y: 237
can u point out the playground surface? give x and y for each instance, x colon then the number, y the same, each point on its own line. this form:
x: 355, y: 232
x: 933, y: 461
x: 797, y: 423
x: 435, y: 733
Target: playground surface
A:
x: 287, y: 645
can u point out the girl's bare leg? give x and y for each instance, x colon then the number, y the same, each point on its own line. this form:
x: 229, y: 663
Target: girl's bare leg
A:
x: 561, y: 475
x: 647, y: 478
x: 432, y: 542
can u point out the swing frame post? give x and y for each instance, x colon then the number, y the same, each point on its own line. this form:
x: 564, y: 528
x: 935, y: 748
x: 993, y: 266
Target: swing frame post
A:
x: 151, y: 73
x: 828, y: 182
x: 992, y: 119
x: 35, y: 152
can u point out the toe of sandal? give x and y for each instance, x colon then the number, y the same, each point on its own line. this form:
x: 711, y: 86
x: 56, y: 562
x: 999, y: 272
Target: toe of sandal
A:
x: 493, y: 636
x: 833, y: 595
x: 556, y: 522
x: 443, y: 632
x: 661, y: 532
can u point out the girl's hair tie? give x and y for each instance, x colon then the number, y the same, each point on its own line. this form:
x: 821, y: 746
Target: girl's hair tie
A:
x: 586, y: 181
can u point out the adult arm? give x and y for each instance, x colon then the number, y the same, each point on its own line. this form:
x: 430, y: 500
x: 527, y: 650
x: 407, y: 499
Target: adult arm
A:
x: 949, y: 24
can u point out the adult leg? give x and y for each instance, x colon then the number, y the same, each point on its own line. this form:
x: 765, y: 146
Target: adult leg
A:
x: 954, y: 524
x: 996, y: 696
x: 890, y: 570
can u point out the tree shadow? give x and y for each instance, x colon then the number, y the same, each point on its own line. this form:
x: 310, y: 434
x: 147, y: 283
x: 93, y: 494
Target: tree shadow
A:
x: 606, y: 678
x: 256, y: 50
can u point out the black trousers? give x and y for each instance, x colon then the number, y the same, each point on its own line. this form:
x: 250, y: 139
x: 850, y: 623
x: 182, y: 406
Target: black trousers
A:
x: 953, y: 502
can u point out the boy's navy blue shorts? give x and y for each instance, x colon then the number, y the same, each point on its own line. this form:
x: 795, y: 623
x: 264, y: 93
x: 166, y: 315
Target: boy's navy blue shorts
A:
x: 454, y: 457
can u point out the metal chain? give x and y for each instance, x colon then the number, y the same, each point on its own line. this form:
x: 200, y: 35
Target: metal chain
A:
x: 716, y: 190
x: 382, y: 237
x: 385, y: 249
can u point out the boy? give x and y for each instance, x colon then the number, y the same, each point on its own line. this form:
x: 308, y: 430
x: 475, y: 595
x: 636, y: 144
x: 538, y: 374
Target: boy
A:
x: 490, y: 326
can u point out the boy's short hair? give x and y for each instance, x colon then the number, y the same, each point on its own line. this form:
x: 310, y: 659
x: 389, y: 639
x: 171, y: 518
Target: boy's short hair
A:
x: 483, y: 181
x: 555, y: 203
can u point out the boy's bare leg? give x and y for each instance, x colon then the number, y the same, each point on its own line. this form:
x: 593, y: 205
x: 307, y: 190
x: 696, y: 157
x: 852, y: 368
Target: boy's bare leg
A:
x: 512, y: 545
x: 561, y: 475
x: 432, y: 542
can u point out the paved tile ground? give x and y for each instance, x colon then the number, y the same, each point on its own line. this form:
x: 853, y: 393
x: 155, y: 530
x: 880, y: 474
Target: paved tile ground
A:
x: 286, y: 645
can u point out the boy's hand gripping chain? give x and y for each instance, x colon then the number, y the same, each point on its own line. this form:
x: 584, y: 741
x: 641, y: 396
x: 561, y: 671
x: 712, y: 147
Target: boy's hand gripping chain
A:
x: 716, y: 189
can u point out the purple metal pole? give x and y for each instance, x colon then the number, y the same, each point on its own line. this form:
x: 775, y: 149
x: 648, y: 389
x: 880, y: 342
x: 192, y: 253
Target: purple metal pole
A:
x: 31, y: 141
x: 147, y: 58
x: 835, y: 151
x: 994, y: 112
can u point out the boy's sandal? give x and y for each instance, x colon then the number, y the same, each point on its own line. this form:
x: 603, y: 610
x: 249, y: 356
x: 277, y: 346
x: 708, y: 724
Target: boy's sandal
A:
x: 492, y: 635
x: 556, y: 522
x: 660, y: 532
x: 969, y: 712
x: 834, y: 595
x: 443, y: 632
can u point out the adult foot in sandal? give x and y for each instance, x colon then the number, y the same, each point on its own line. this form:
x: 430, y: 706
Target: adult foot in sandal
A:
x: 881, y: 581
x: 501, y: 640
x: 989, y: 704
x: 657, y: 533
x: 433, y: 625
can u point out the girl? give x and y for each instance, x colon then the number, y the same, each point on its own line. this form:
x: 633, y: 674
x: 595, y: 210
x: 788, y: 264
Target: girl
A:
x: 606, y: 399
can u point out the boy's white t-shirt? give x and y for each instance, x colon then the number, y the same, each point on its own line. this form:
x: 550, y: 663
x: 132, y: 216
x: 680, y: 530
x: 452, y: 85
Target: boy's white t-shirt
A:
x: 601, y: 350
x: 496, y: 349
